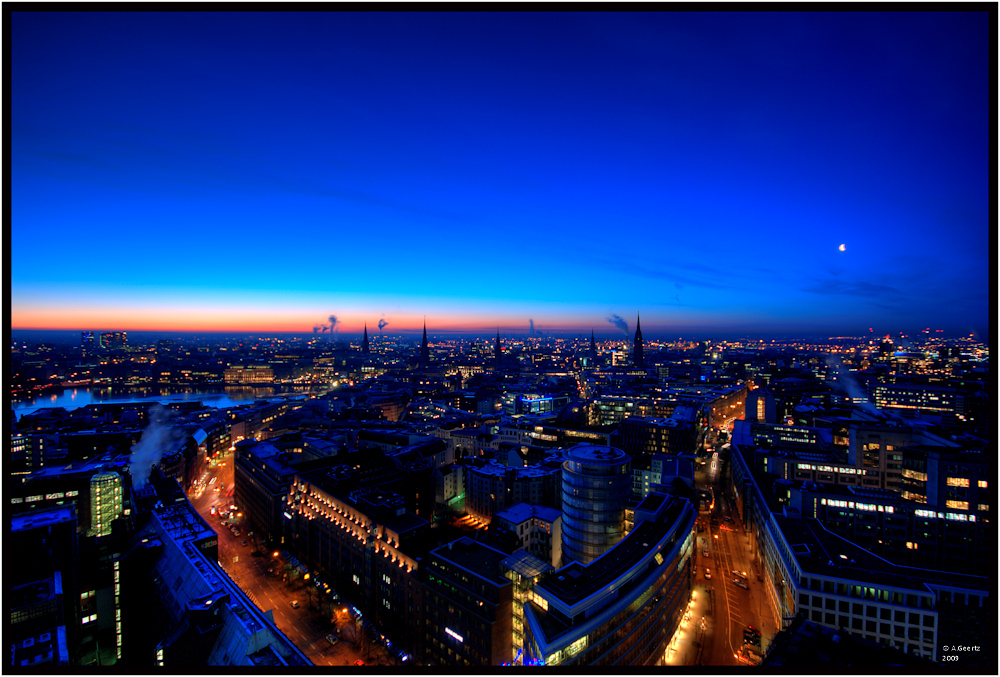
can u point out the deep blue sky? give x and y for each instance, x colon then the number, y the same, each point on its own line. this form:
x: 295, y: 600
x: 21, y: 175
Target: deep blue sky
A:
x: 261, y: 170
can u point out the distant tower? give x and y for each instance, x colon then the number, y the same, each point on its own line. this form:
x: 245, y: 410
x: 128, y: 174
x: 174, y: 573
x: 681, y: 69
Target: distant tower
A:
x: 759, y: 406
x: 593, y: 349
x: 637, y: 352
x: 425, y: 356
x: 496, y: 350
x: 364, y: 341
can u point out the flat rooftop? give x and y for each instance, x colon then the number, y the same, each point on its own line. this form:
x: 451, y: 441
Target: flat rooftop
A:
x: 824, y: 553
x: 474, y: 557
x: 524, y: 511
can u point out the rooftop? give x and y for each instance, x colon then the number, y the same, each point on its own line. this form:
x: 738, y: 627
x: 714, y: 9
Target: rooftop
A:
x: 476, y: 558
x: 41, y: 519
x: 526, y: 564
x: 524, y: 511
x: 823, y: 553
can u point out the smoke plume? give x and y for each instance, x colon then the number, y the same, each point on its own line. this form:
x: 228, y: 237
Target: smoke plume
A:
x: 845, y: 381
x: 382, y: 323
x: 620, y: 323
x: 156, y: 438
x: 315, y: 330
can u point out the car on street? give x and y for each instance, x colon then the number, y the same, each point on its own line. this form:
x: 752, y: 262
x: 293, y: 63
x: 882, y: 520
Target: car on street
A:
x: 708, y: 573
x: 741, y: 583
x: 741, y: 574
x: 244, y: 543
x: 332, y: 639
x: 727, y: 518
x: 705, y: 552
x: 295, y: 604
x: 359, y: 662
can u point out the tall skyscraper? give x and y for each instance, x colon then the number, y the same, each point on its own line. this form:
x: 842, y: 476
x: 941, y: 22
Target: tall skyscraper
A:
x: 86, y: 343
x: 593, y: 349
x: 637, y: 352
x: 496, y: 350
x: 425, y: 356
x: 364, y: 341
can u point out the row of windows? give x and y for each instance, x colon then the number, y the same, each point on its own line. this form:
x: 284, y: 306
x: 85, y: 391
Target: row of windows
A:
x: 884, y: 613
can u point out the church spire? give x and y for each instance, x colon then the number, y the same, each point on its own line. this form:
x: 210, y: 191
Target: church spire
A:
x: 425, y: 356
x: 637, y: 346
x: 364, y: 341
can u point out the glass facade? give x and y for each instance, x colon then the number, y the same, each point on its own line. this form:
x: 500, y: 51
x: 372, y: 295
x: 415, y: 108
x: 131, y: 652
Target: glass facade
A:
x: 596, y: 483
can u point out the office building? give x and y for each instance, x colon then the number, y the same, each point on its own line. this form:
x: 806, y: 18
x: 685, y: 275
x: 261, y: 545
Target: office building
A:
x: 622, y: 609
x: 468, y: 606
x: 596, y: 484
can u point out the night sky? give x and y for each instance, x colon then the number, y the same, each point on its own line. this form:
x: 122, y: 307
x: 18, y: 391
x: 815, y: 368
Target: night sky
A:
x: 263, y: 171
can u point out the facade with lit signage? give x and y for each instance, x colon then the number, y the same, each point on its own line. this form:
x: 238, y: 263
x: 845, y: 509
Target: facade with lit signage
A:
x: 468, y: 606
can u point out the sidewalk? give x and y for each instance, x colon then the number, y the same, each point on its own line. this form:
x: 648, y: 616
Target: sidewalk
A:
x: 687, y: 646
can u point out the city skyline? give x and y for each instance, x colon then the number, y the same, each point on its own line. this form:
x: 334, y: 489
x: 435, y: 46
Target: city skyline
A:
x: 758, y: 173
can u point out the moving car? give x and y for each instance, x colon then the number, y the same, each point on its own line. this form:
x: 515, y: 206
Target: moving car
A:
x: 332, y: 639
x: 295, y: 604
x: 705, y: 552
x: 708, y: 573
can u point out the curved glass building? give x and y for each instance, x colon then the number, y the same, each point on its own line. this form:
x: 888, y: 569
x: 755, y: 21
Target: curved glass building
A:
x: 596, y: 483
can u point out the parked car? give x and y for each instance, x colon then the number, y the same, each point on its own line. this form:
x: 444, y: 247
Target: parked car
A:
x: 741, y: 574
x: 705, y: 552
x: 741, y: 583
x: 359, y: 662
x: 332, y: 639
x: 244, y: 543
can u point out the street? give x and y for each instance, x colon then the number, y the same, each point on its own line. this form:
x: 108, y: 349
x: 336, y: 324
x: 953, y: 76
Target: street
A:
x: 732, y: 607
x: 317, y: 615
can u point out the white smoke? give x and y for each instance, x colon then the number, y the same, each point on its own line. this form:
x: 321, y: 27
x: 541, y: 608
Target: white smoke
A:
x: 156, y: 438
x: 845, y: 381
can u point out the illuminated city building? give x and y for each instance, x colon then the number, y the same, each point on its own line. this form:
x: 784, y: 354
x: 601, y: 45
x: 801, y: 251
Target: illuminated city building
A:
x: 106, y: 503
x: 469, y: 606
x: 360, y: 541
x: 87, y: 343
x: 249, y: 373
x: 596, y: 484
x: 623, y: 608
x: 914, y: 398
x: 491, y: 486
x: 807, y: 568
x: 760, y: 407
